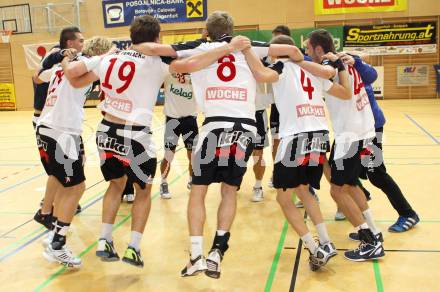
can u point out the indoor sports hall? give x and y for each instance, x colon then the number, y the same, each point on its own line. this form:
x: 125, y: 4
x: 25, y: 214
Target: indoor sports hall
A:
x: 398, y: 38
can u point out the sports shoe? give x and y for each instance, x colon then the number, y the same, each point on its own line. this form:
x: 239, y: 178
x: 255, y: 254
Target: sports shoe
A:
x: 270, y: 183
x: 164, y: 193
x: 257, y: 194
x: 133, y: 257
x: 189, y: 184
x: 48, y: 239
x: 321, y: 256
x: 339, y: 216
x: 45, y: 220
x: 369, y: 249
x: 213, y: 262
x: 129, y: 198
x: 404, y: 223
x: 194, y: 267
x: 106, y: 251
x: 355, y: 236
x: 63, y: 256
x: 299, y: 204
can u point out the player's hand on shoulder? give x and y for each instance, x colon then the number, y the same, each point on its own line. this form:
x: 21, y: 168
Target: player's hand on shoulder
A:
x: 70, y: 53
x: 346, y: 59
x: 240, y: 43
x: 330, y: 56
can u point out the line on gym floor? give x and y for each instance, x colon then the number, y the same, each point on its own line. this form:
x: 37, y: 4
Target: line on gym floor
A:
x: 120, y: 223
x: 276, y: 258
x: 296, y: 265
x: 433, y: 138
x: 387, y: 250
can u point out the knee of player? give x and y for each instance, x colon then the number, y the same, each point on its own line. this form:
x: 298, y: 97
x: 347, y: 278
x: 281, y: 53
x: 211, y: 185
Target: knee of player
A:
x: 118, y: 184
x: 336, y: 192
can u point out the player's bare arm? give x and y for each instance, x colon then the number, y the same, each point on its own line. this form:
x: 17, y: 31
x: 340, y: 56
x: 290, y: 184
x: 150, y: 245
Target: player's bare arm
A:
x: 155, y: 49
x: 323, y: 71
x: 74, y: 72
x: 203, y: 60
x: 293, y: 52
x: 261, y: 73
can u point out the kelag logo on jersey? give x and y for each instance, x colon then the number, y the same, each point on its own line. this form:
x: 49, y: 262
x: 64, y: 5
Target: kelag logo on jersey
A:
x: 122, y: 13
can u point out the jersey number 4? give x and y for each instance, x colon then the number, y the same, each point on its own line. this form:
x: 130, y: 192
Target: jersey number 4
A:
x: 226, y: 62
x: 124, y: 75
x: 307, y: 87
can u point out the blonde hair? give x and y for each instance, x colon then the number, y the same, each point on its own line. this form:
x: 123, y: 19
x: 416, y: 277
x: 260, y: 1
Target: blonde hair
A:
x: 218, y: 24
x: 96, y: 46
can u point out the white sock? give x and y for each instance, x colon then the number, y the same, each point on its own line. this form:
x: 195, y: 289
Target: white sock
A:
x: 362, y: 226
x: 135, y: 240
x: 257, y: 184
x: 221, y: 232
x: 309, y: 242
x: 196, y: 246
x: 322, y: 233
x: 164, y: 180
x: 368, y: 215
x: 190, y: 179
x: 106, y: 231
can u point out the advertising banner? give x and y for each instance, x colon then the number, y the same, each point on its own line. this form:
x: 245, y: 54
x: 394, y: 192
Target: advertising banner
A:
x: 324, y: 7
x: 122, y: 12
x: 412, y: 75
x: 7, y: 96
x: 392, y: 39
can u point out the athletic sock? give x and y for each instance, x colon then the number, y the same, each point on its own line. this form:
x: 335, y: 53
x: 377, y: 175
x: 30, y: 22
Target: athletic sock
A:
x: 196, y: 246
x: 221, y: 241
x: 309, y: 242
x: 106, y: 231
x: 368, y: 215
x: 322, y: 233
x: 135, y: 240
x: 362, y: 226
x: 164, y: 180
x: 59, y: 238
x: 257, y: 184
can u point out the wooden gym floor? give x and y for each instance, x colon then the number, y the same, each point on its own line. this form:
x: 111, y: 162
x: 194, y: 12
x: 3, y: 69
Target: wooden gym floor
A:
x: 263, y: 252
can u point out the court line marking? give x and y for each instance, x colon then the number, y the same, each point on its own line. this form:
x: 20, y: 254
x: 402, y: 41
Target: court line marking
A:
x: 377, y: 276
x: 22, y: 182
x: 297, y: 258
x: 62, y: 269
x: 387, y: 250
x: 276, y: 258
x: 433, y: 138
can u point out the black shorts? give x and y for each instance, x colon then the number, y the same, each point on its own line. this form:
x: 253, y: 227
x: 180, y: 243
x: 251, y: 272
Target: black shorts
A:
x: 126, y: 150
x: 274, y: 121
x: 261, y: 140
x: 351, y: 163
x: 174, y: 128
x: 223, y: 148
x: 61, y: 155
x: 376, y: 162
x: 299, y: 160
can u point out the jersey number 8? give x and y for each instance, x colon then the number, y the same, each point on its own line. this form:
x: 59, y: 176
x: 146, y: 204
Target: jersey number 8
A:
x: 226, y: 62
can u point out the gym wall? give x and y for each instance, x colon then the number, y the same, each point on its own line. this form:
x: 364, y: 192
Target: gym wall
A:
x: 248, y: 14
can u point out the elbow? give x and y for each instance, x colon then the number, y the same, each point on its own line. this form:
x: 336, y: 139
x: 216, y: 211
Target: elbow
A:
x: 75, y: 83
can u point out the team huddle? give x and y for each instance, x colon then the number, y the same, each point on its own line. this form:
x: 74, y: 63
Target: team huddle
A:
x: 231, y: 81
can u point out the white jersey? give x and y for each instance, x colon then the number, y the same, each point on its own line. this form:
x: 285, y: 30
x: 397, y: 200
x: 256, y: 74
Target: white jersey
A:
x: 131, y: 83
x: 299, y: 99
x: 352, y: 119
x: 226, y: 88
x: 64, y: 108
x: 264, y: 97
x: 179, y: 97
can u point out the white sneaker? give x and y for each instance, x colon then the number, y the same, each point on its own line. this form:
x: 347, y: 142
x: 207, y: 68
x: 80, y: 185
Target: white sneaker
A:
x: 213, y: 263
x: 189, y: 184
x: 47, y: 239
x: 257, y: 194
x: 129, y: 198
x: 339, y: 216
x: 321, y: 256
x: 63, y: 256
x: 270, y: 183
x: 164, y: 193
x: 194, y: 267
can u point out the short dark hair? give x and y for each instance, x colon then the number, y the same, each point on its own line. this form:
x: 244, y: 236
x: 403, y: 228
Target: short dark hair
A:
x: 323, y: 38
x: 281, y: 29
x: 144, y: 28
x: 68, y: 34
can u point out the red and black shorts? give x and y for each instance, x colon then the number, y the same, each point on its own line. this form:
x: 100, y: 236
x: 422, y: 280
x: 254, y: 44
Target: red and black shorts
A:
x: 300, y: 159
x: 126, y: 150
x: 223, y: 150
x: 176, y: 127
x: 349, y: 162
x: 261, y: 140
x: 61, y: 155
